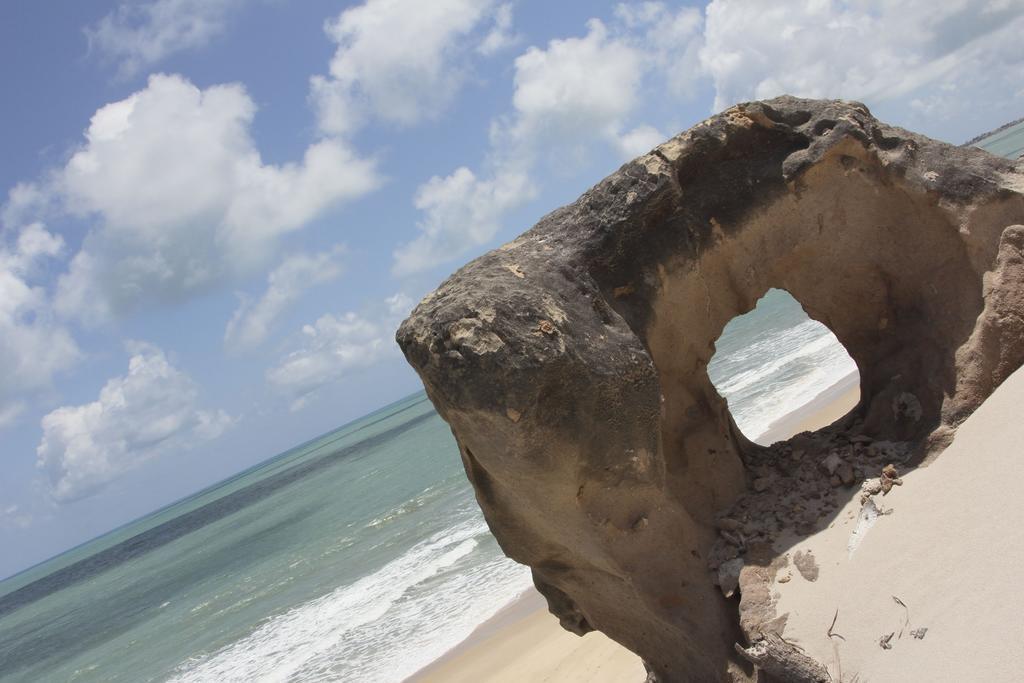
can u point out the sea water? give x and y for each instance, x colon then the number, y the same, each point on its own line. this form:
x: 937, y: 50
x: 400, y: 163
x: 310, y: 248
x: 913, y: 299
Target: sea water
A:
x: 360, y: 556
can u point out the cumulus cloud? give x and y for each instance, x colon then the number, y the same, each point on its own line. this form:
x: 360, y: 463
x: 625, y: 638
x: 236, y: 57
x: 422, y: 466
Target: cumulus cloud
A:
x: 400, y: 61
x: 501, y: 35
x: 252, y: 321
x: 138, y: 35
x: 33, y: 345
x: 335, y: 345
x: 183, y: 200
x: 939, y: 57
x: 460, y: 211
x: 579, y: 90
x: 567, y: 95
x: 576, y: 84
x: 639, y: 140
x: 146, y: 413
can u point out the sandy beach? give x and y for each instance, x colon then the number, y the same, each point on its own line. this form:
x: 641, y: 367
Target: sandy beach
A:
x: 524, y: 643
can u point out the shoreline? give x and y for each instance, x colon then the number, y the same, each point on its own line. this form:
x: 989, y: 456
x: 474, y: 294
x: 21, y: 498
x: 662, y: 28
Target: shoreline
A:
x: 825, y: 408
x: 524, y: 605
x: 524, y: 642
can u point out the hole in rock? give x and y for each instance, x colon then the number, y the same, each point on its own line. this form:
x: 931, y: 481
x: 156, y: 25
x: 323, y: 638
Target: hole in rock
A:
x: 781, y: 372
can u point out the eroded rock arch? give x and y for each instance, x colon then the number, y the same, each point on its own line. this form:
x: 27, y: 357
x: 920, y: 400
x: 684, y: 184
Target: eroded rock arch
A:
x: 571, y: 362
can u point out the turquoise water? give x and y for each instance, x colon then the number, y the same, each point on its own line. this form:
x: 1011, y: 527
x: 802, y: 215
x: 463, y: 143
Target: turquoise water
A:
x: 1008, y: 142
x: 360, y: 556
x: 315, y: 547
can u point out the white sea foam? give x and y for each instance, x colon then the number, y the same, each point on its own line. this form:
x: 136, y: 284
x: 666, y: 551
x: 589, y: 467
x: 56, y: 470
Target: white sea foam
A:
x: 383, y: 626
x: 780, y: 373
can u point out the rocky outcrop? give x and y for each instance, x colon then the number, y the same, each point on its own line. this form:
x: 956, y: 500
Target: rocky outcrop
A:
x: 571, y: 363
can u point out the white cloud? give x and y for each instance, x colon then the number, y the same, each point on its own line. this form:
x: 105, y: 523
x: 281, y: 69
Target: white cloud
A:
x: 460, y: 212
x: 33, y: 346
x: 138, y: 35
x: 670, y: 40
x: 398, y: 60
x: 137, y: 417
x: 399, y: 306
x: 578, y: 90
x: 10, y: 412
x: 569, y: 94
x: 571, y: 89
x: 13, y: 517
x: 639, y: 140
x: 335, y: 345
x: 501, y: 35
x: 252, y: 321
x: 183, y: 198
x: 936, y: 68
x: 25, y: 202
x: 575, y: 84
x: 874, y: 50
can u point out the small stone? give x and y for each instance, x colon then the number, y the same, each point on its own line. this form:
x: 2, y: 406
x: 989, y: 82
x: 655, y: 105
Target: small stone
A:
x: 845, y: 473
x: 785, y: 579
x: 890, y: 477
x: 797, y: 454
x: 728, y: 524
x: 872, y: 487
x: 834, y: 481
x: 731, y: 538
x: 806, y: 565
x: 761, y: 484
x: 513, y: 414
x: 729, y: 576
x: 831, y: 462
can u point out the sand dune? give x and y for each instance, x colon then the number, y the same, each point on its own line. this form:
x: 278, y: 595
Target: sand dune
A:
x: 944, y: 555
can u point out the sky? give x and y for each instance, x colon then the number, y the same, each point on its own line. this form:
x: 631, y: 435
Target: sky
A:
x: 215, y: 213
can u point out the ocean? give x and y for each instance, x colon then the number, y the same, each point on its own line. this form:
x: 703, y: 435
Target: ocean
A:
x: 359, y: 556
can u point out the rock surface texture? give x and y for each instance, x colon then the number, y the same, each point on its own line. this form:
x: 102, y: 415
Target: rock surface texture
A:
x: 571, y: 363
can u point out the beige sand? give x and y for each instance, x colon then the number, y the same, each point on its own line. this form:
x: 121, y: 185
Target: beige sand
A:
x: 525, y: 644
x: 949, y: 547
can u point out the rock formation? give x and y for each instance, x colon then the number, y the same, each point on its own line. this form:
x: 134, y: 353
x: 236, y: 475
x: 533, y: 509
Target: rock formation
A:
x: 571, y: 363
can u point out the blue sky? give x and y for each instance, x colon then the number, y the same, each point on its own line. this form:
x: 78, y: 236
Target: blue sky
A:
x: 215, y: 212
